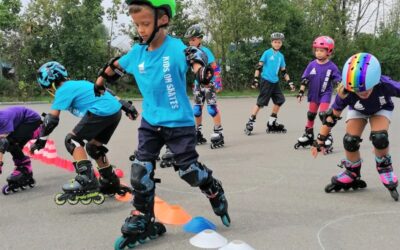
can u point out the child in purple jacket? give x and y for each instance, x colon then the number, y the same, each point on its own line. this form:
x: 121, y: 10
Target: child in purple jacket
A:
x: 320, y: 76
x: 18, y: 125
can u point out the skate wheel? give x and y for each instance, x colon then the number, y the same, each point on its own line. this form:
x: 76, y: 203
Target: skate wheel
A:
x: 22, y: 187
x: 32, y: 184
x: 212, y: 146
x: 226, y: 220
x: 132, y: 157
x: 394, y: 194
x: 86, y: 201
x: 141, y: 241
x: 73, y: 200
x: 99, y: 199
x: 329, y: 188
x: 119, y: 243
x: 296, y: 146
x: 6, y: 190
x: 346, y: 188
x: 58, y: 200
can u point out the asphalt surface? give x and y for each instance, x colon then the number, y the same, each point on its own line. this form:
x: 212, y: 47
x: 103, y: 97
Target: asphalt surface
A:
x: 276, y: 194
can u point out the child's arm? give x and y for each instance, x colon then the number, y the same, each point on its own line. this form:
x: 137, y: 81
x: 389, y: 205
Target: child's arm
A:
x: 197, y: 59
x: 257, y: 74
x: 303, y: 85
x: 286, y: 77
x: 329, y: 120
x: 50, y: 122
x: 392, y: 85
x: 110, y: 73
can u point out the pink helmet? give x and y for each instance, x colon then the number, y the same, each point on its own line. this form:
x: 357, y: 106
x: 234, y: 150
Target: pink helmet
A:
x: 324, y: 42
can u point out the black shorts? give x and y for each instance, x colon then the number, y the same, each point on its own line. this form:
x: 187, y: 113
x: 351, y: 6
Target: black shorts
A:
x: 23, y: 133
x: 181, y: 141
x: 100, y: 128
x: 270, y: 90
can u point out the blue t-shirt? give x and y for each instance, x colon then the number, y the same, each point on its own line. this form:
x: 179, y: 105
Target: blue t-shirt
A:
x: 273, y: 61
x: 210, y: 55
x: 78, y: 97
x: 161, y: 78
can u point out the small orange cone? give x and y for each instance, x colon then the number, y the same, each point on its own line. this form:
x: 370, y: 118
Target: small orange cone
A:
x: 172, y: 215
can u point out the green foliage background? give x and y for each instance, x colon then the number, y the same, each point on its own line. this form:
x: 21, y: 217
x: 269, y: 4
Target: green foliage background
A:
x: 72, y: 32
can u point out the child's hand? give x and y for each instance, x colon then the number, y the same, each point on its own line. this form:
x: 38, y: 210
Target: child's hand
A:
x: 300, y: 95
x: 318, y: 146
x: 99, y: 90
x: 254, y: 84
x: 292, y: 87
x: 38, y: 145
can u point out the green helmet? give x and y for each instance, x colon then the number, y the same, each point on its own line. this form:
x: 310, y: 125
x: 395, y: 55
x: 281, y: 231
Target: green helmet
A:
x: 168, y: 5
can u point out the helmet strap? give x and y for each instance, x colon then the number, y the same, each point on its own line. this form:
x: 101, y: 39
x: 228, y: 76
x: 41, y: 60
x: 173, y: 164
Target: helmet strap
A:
x: 155, y: 30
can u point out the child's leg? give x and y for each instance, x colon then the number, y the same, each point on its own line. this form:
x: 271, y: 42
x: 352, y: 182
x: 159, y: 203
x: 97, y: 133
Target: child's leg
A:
x: 278, y: 99
x: 350, y: 178
x: 323, y: 107
x: 311, y: 114
x: 182, y: 142
x: 380, y: 139
x: 141, y: 223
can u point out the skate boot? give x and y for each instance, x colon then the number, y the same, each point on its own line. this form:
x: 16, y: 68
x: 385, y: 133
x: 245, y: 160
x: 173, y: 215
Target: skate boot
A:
x: 274, y: 127
x: 329, y: 144
x: 215, y: 193
x: 167, y: 159
x: 21, y: 177
x: 388, y: 178
x: 250, y: 125
x: 110, y: 184
x: 350, y: 178
x: 84, y: 188
x: 137, y: 228
x: 306, y: 140
x: 217, y: 138
x: 199, y: 135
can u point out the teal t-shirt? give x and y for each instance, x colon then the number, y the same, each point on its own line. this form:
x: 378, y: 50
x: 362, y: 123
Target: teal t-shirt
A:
x: 78, y: 97
x: 210, y: 55
x: 161, y: 78
x: 273, y: 62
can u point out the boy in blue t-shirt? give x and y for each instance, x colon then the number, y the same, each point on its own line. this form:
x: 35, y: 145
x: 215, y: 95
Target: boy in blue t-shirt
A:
x: 159, y: 64
x: 206, y: 93
x: 100, y: 118
x: 272, y: 63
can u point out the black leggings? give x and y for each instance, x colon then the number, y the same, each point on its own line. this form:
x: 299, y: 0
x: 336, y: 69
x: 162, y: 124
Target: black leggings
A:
x: 21, y: 135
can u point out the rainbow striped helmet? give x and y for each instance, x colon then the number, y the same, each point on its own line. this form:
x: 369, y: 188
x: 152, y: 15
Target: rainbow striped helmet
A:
x: 361, y: 72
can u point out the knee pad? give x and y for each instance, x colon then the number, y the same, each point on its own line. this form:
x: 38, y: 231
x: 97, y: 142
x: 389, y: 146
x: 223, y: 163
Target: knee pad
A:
x: 311, y: 116
x: 212, y: 110
x: 321, y: 116
x: 72, y: 142
x: 96, y: 152
x: 197, y: 110
x: 142, y: 176
x: 196, y: 174
x: 351, y: 143
x: 380, y: 139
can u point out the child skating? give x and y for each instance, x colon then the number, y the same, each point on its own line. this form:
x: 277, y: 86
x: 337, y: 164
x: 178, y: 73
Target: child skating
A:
x: 18, y: 125
x: 206, y: 93
x: 159, y: 64
x: 319, y: 77
x: 368, y: 95
x: 271, y: 64
x: 100, y: 117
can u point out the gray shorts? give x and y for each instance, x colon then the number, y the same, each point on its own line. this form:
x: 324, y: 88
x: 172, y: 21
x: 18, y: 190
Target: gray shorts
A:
x: 353, y: 114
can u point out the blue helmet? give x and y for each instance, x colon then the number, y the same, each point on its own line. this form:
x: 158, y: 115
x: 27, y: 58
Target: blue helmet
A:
x: 50, y: 74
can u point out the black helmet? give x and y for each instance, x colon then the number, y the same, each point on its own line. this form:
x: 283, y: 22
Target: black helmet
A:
x: 194, y: 31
